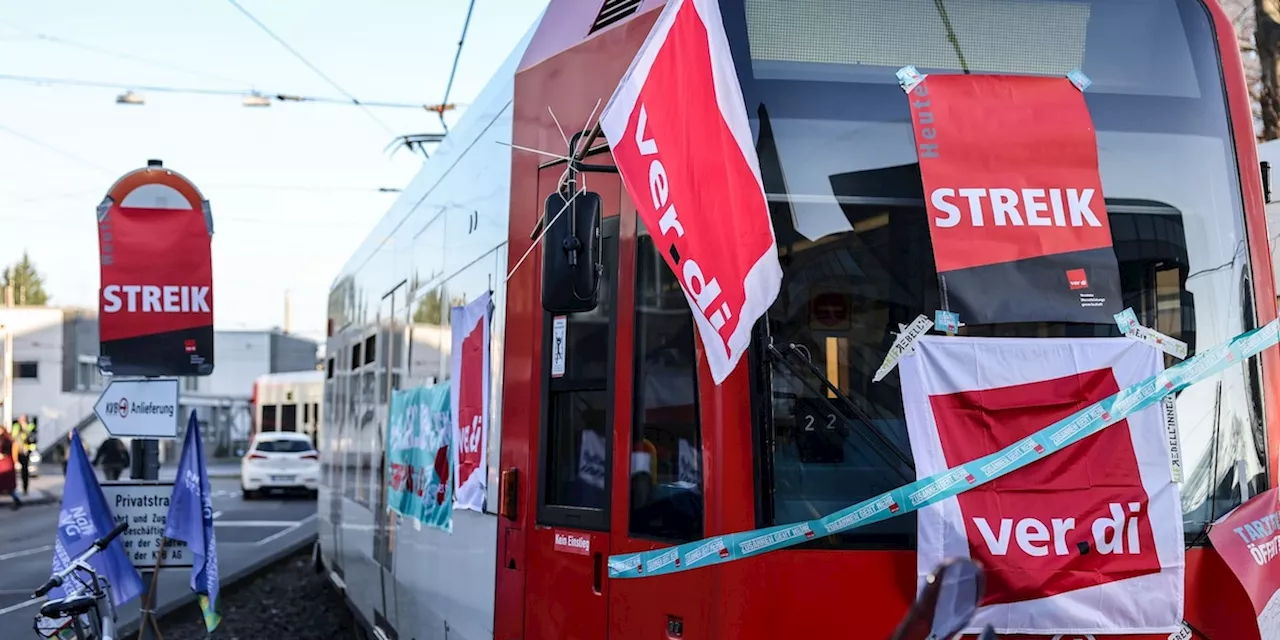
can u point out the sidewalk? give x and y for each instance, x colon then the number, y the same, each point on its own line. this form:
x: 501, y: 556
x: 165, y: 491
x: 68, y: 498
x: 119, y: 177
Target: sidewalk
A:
x: 46, y: 488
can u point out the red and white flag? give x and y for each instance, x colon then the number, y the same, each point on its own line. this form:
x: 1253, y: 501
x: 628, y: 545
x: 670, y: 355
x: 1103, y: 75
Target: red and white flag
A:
x: 469, y: 368
x: 1087, y: 540
x: 681, y: 140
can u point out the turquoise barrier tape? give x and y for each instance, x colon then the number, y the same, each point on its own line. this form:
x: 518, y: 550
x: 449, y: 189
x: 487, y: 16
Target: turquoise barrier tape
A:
x: 953, y: 481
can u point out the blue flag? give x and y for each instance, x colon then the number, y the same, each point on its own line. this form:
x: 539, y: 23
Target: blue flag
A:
x: 190, y: 520
x: 85, y: 517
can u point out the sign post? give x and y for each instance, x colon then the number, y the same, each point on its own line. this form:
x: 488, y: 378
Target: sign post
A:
x: 155, y: 316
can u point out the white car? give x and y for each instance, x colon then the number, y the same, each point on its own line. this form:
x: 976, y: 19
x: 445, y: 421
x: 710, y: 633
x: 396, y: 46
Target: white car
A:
x: 279, y: 461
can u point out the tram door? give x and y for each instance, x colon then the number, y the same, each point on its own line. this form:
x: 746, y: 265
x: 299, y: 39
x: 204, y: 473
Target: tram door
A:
x: 657, y: 476
x: 566, y: 581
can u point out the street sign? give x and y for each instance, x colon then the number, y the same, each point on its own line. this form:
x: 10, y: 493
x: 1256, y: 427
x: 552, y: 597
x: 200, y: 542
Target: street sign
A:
x: 155, y: 297
x: 145, y: 506
x: 146, y: 408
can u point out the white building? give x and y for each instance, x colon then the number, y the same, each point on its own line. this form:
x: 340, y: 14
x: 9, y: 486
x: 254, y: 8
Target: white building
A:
x: 56, y: 378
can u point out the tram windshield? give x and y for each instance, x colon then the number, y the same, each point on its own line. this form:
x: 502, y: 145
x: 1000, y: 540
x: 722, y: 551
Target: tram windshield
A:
x: 837, y: 158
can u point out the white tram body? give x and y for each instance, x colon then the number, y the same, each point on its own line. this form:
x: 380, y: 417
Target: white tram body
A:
x: 443, y: 243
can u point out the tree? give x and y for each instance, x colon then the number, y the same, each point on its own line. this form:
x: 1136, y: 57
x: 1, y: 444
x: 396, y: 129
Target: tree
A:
x: 430, y: 309
x: 26, y: 283
x: 1259, y: 47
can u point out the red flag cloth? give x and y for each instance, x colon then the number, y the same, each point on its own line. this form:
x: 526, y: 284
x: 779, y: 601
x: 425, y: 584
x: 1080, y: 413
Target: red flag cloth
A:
x: 1087, y: 540
x: 1248, y: 539
x: 1013, y: 195
x: 680, y: 138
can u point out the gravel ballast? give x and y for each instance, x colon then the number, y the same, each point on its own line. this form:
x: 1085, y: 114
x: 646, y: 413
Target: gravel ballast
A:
x: 288, y: 600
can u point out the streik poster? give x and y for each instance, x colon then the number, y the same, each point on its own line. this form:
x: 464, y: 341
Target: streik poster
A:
x: 1086, y: 541
x: 469, y: 371
x: 1248, y: 539
x: 420, y: 456
x: 1013, y: 196
x: 155, y: 297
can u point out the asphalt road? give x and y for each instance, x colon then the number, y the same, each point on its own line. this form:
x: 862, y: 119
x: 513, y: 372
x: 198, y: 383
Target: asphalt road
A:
x: 247, y: 532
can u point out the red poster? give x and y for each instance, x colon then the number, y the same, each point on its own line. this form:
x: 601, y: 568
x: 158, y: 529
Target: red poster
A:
x: 1013, y: 196
x: 469, y: 369
x: 1248, y: 539
x: 155, y: 303
x: 680, y: 137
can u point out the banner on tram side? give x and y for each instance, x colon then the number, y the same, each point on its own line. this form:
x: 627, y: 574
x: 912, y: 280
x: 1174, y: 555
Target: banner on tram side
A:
x: 1085, y: 541
x: 678, y: 130
x: 1248, y: 539
x: 1013, y: 196
x: 419, y: 455
x: 469, y: 371
x: 155, y: 302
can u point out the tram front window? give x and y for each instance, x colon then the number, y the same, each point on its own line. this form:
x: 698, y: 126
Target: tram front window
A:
x: 837, y: 157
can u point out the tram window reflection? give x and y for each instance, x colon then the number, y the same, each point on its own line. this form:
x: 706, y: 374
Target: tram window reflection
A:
x: 666, y: 442
x: 578, y: 422
x: 839, y: 168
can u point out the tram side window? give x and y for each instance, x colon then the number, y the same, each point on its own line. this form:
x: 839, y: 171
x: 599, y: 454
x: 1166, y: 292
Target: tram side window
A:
x: 577, y: 427
x: 666, y: 442
x: 289, y: 417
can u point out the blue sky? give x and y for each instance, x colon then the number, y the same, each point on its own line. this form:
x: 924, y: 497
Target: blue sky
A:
x: 293, y: 187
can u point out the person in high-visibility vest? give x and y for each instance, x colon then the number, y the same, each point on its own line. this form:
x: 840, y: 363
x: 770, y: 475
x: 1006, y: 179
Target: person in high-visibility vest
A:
x: 24, y: 434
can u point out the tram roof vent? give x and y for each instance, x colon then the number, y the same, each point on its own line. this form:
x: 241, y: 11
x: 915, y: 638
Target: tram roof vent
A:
x: 613, y: 12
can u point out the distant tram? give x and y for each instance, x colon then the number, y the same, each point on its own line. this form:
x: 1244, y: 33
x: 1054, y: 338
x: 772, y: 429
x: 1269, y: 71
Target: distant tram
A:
x: 289, y: 402
x: 620, y: 442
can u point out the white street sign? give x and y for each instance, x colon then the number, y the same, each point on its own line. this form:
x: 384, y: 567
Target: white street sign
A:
x: 140, y: 408
x: 145, y: 506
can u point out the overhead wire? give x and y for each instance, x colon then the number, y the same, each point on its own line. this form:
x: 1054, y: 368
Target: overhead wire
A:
x: 284, y: 97
x: 53, y: 149
x: 52, y: 39
x: 313, y: 67
x: 457, y: 55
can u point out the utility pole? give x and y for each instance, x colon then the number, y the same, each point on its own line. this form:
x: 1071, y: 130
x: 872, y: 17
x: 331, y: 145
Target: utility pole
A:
x: 6, y: 361
x: 288, y: 315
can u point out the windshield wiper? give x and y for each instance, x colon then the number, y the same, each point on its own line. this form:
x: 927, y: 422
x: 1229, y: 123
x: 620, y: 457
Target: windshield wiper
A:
x: 851, y: 409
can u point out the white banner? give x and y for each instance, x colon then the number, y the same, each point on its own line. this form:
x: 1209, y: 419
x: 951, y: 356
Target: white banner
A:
x: 1088, y: 540
x: 469, y: 372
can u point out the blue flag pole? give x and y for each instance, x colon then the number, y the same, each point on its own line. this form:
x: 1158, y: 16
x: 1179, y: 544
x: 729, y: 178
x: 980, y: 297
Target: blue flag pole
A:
x: 83, y: 517
x: 190, y: 519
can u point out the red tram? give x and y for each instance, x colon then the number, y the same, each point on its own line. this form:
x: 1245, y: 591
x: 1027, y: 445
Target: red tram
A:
x: 609, y: 435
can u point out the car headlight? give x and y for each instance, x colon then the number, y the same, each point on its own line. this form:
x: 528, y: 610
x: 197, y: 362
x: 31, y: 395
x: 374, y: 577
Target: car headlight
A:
x: 35, y: 457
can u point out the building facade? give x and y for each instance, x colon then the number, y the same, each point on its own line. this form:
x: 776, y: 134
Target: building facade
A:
x: 55, y: 377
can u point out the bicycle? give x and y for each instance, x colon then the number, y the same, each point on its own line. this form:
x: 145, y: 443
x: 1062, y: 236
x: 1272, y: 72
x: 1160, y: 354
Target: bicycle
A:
x: 86, y: 610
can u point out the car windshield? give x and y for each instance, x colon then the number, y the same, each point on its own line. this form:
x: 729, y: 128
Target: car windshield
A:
x: 288, y: 445
x: 838, y: 161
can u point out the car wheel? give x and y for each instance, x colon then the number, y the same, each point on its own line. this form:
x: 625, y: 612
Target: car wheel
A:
x: 246, y: 494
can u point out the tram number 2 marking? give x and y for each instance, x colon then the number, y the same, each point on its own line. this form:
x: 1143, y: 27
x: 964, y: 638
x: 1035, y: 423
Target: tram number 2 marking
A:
x: 809, y: 421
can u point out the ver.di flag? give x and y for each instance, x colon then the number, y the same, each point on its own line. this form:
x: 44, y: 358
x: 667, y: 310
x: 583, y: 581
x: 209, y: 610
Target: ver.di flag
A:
x: 190, y: 519
x: 1013, y: 196
x: 680, y: 138
x: 469, y: 371
x: 1086, y: 541
x: 84, y: 517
